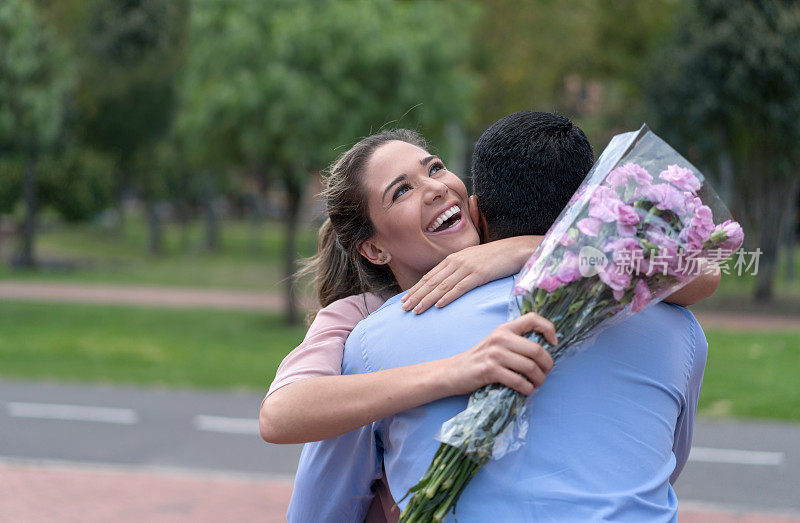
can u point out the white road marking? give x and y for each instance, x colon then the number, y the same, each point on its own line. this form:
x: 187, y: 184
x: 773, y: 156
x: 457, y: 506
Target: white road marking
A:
x: 735, y: 456
x: 227, y: 425
x: 72, y: 412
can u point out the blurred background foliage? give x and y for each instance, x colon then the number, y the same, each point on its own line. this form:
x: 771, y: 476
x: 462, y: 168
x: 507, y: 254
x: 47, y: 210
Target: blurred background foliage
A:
x: 181, y: 141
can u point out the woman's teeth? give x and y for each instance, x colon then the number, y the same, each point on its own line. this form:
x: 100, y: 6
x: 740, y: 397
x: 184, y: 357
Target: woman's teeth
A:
x: 444, y: 216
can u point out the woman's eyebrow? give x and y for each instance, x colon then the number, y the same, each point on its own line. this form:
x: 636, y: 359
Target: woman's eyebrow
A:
x: 423, y: 162
x: 394, y: 182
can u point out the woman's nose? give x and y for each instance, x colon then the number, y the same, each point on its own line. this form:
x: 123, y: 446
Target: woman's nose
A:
x: 434, y: 189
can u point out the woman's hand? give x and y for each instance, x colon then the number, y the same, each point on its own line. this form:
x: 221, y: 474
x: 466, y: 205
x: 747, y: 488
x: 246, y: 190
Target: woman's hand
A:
x: 505, y: 356
x: 467, y: 269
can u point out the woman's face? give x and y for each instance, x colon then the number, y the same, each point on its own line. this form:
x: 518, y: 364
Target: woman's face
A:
x: 418, y: 209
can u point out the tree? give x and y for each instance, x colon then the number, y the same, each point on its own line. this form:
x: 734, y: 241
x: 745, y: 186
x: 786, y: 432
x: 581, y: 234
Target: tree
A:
x: 35, y: 86
x: 579, y: 57
x: 282, y: 84
x: 130, y: 53
x: 727, y: 89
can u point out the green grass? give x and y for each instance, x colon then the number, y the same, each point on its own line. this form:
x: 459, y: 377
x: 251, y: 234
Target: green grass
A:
x: 250, y: 257
x: 752, y: 375
x: 181, y: 348
x: 748, y: 375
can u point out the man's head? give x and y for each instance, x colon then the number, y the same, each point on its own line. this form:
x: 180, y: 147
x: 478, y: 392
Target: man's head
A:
x: 525, y: 168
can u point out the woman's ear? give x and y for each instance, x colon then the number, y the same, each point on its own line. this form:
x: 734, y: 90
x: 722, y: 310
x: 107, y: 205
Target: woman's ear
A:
x: 374, y: 253
x: 477, y: 217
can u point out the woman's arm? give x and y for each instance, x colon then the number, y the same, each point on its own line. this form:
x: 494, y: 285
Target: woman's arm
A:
x: 324, y: 407
x: 469, y: 268
x: 698, y: 289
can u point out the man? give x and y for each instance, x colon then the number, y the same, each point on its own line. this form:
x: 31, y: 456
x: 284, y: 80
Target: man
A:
x: 609, y: 430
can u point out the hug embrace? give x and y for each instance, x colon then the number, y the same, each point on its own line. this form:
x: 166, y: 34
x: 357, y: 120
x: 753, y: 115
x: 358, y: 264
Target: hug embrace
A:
x: 414, y: 277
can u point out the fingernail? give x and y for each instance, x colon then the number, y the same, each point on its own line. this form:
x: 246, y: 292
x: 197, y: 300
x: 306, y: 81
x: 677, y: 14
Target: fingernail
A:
x: 405, y: 306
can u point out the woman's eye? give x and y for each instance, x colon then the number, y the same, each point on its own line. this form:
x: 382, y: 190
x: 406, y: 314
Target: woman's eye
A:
x: 435, y: 167
x: 400, y: 191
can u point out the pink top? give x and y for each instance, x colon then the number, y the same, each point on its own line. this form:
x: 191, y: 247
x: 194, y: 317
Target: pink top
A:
x: 320, y: 354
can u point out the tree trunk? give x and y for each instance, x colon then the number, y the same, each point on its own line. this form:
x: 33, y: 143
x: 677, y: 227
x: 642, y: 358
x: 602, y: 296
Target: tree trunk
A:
x: 155, y: 237
x: 261, y: 180
x: 295, y: 194
x: 256, y: 223
x: 773, y: 220
x: 182, y: 207
x: 211, y: 221
x: 27, y: 257
x: 791, y: 245
x: 119, y: 197
x: 726, y: 178
x: 790, y: 231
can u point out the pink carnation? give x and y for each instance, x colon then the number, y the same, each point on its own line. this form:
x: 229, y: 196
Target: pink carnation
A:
x: 668, y: 250
x: 568, y: 270
x: 700, y: 228
x: 627, y: 215
x: 616, y: 279
x: 623, y: 248
x: 733, y: 233
x: 641, y: 296
x: 549, y: 283
x: 604, y: 204
x: 590, y: 226
x: 630, y: 171
x: 666, y: 197
x: 681, y: 177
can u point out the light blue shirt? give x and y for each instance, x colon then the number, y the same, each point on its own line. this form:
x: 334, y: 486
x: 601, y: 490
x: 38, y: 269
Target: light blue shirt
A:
x: 609, y: 429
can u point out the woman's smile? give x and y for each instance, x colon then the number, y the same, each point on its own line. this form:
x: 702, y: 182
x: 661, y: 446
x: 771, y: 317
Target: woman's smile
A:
x: 448, y: 221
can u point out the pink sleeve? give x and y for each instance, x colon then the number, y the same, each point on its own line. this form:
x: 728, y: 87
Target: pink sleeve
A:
x: 320, y: 354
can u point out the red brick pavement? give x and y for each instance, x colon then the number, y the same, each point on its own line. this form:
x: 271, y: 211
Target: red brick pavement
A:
x: 38, y: 494
x: 33, y: 494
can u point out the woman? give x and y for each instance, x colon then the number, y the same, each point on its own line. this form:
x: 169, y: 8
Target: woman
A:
x: 395, y: 212
x: 382, y: 197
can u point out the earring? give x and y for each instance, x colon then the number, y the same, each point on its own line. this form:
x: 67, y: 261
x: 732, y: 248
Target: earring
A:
x: 383, y: 258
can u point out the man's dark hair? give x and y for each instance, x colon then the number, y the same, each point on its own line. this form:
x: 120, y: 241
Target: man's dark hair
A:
x: 525, y: 169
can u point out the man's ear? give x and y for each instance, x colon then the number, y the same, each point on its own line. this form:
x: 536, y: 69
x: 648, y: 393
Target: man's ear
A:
x: 477, y: 218
x: 374, y: 252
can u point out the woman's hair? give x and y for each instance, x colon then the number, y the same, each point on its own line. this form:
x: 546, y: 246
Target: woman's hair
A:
x: 339, y: 270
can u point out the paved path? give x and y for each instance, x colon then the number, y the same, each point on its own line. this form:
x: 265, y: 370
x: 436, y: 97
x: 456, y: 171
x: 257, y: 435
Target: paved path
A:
x: 249, y: 300
x: 100, y: 453
x: 140, y: 295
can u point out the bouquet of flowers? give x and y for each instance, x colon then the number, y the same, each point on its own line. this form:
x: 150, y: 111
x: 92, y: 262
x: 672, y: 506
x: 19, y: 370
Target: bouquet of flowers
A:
x: 643, y: 224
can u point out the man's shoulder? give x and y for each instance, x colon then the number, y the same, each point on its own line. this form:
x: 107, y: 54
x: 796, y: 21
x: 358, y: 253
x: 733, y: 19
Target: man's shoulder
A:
x: 497, y: 290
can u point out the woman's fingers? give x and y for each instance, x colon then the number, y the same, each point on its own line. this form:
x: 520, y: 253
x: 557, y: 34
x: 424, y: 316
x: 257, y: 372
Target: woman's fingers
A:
x: 410, y: 293
x: 435, y: 295
x: 435, y: 286
x: 415, y: 289
x: 532, y: 322
x: 459, y: 289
